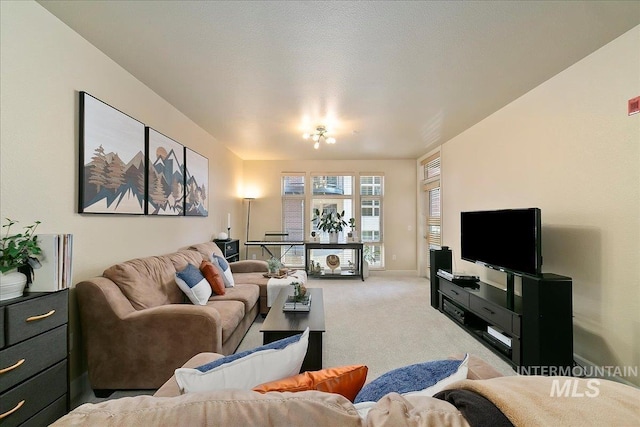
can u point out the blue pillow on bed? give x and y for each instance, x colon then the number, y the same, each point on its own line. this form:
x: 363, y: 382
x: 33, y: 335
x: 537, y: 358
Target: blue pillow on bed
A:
x: 413, y: 378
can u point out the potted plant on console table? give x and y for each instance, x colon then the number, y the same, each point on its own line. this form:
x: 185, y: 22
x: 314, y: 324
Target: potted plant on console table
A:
x: 330, y: 222
x: 17, y: 259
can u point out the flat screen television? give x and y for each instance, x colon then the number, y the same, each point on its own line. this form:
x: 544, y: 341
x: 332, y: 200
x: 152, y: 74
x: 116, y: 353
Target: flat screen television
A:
x: 507, y: 239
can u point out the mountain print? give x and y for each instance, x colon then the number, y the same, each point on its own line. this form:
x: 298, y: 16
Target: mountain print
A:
x: 165, y: 180
x: 111, y: 186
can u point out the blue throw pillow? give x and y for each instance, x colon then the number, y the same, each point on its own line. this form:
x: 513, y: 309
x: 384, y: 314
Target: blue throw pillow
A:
x: 225, y: 269
x: 409, y: 379
x: 194, y: 285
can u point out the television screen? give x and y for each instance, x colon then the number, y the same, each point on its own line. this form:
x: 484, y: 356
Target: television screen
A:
x: 506, y: 239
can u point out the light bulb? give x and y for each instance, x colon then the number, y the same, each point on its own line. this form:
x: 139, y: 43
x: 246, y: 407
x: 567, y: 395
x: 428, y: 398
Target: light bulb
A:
x: 331, y: 140
x: 315, y: 137
x: 316, y: 145
x: 305, y: 136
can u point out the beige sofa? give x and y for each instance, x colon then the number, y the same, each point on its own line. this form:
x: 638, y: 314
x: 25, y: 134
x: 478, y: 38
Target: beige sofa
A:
x: 138, y: 326
x: 522, y: 400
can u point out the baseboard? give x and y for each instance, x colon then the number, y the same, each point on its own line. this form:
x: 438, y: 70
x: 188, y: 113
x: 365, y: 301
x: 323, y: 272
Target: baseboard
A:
x: 590, y: 366
x: 81, y: 391
x: 393, y: 272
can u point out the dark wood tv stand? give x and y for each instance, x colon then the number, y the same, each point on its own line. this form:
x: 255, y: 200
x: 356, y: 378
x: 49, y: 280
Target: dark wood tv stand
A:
x: 539, y: 322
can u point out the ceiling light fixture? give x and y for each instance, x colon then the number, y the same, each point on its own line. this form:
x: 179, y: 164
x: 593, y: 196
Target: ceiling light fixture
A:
x: 320, y: 133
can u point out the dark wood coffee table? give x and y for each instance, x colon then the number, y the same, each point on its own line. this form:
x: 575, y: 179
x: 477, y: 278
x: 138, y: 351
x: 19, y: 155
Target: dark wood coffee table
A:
x: 280, y: 324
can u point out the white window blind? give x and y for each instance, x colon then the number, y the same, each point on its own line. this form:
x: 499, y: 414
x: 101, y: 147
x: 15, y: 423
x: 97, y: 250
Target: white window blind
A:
x: 433, y: 212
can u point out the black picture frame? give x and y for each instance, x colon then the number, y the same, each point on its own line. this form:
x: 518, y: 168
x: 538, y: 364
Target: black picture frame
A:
x: 112, y: 160
x: 165, y: 175
x: 196, y: 184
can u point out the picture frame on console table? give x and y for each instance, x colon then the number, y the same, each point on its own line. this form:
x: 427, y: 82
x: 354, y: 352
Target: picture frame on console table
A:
x: 196, y: 184
x: 112, y: 161
x: 165, y: 175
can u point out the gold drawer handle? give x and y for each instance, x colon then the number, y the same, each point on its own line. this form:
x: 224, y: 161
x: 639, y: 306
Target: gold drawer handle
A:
x: 11, y: 368
x: 18, y: 406
x: 42, y: 316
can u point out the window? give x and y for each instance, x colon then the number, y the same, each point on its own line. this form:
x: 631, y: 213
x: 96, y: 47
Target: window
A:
x: 431, y: 189
x: 293, y: 218
x: 371, y: 192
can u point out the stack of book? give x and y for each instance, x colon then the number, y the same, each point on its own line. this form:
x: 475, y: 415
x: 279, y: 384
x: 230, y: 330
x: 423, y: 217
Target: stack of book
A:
x: 297, y: 303
x: 56, y: 271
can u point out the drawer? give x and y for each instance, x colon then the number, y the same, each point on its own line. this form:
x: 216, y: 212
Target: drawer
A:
x: 33, y: 395
x: 230, y: 248
x: 36, y: 354
x: 48, y: 415
x: 34, y: 316
x: 454, y: 292
x: 492, y: 313
x: 2, y: 327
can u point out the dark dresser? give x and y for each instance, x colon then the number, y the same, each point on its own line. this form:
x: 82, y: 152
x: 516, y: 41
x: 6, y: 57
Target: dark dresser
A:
x: 34, y: 365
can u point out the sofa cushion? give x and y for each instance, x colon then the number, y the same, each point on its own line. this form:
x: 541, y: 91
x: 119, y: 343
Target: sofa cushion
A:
x: 247, y: 369
x: 344, y: 380
x: 205, y: 249
x: 194, y: 285
x: 425, y: 379
x: 231, y: 314
x: 222, y: 408
x: 213, y: 276
x: 146, y: 282
x: 247, y: 294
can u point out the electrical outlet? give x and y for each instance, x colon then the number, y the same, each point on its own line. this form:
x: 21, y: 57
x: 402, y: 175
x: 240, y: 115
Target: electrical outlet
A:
x: 253, y: 256
x: 393, y: 257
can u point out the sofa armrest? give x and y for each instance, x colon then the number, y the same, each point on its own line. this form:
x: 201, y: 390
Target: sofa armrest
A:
x: 171, y: 387
x: 143, y: 347
x: 249, y: 266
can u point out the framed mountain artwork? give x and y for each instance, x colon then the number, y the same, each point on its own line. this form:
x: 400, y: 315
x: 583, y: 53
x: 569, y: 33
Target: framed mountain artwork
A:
x: 196, y: 184
x: 165, y: 175
x: 112, y: 160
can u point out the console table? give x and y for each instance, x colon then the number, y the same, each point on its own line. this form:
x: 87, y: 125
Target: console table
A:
x: 358, y: 261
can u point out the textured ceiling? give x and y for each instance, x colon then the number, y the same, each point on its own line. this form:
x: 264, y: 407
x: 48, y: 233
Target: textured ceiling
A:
x: 392, y: 80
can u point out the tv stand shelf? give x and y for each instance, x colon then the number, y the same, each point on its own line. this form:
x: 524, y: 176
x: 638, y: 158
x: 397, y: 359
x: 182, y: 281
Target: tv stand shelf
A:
x: 539, y: 324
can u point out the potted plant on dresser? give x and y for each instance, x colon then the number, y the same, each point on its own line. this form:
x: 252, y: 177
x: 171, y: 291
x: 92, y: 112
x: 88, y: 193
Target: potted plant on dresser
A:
x: 18, y: 258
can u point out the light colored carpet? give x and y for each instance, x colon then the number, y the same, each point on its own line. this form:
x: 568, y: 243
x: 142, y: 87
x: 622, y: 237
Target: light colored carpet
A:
x: 384, y: 322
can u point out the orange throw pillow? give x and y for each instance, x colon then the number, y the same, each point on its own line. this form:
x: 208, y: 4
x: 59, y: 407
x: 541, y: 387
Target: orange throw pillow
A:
x: 211, y: 273
x: 344, y: 380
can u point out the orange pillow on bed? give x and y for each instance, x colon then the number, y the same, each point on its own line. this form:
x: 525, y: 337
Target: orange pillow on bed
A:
x: 344, y: 380
x: 213, y: 276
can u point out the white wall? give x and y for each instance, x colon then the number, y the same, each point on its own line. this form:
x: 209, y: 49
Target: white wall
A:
x: 44, y: 64
x: 399, y: 218
x: 570, y: 148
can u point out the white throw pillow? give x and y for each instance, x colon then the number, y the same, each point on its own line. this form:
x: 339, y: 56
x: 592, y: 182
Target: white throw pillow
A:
x: 275, y: 361
x: 194, y: 285
x: 227, y: 276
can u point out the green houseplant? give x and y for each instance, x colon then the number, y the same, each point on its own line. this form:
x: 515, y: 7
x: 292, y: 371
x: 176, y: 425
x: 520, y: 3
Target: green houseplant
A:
x: 273, y: 264
x: 331, y: 222
x: 17, y: 252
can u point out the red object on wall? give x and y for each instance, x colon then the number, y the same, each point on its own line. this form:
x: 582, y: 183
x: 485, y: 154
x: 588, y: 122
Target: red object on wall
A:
x: 634, y: 105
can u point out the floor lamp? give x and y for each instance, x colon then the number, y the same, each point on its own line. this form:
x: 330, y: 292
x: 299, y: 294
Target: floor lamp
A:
x: 246, y: 248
